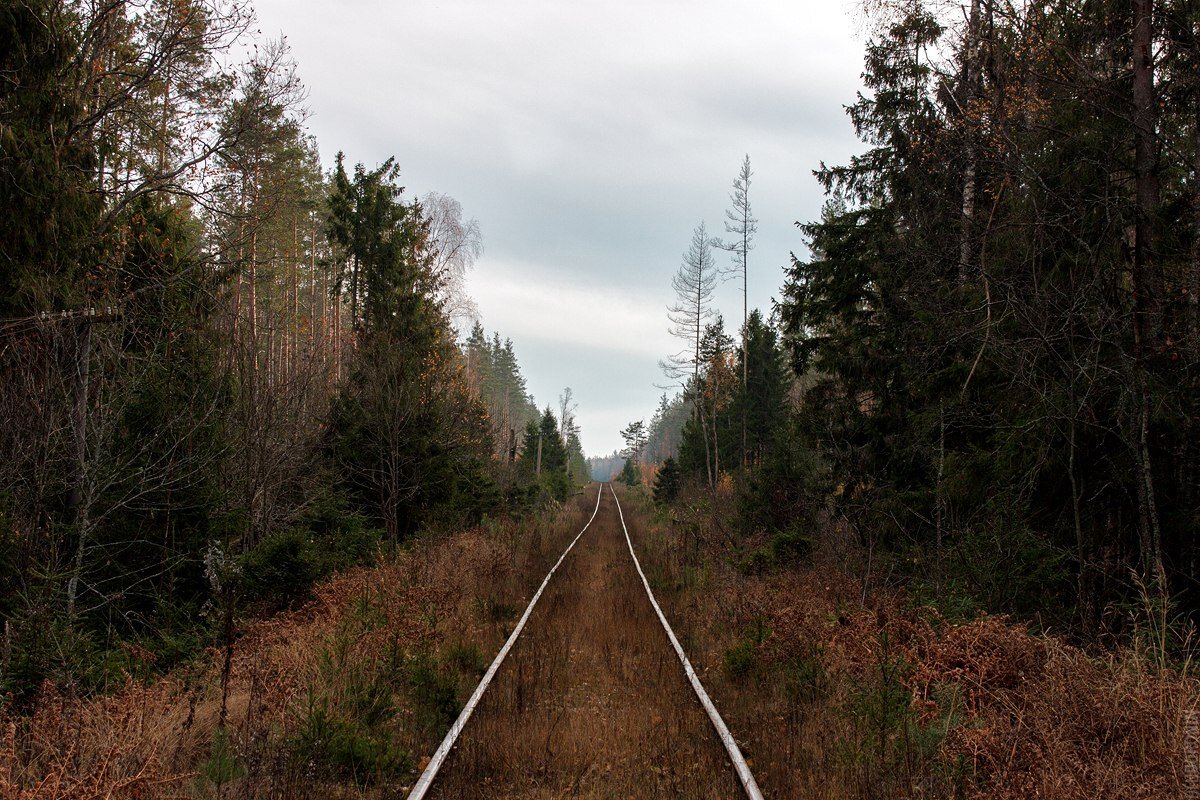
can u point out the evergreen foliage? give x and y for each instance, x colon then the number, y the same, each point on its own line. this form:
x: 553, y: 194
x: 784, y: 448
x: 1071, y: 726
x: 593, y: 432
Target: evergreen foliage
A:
x: 46, y: 191
x: 630, y: 474
x: 991, y: 329
x: 225, y: 374
x: 667, y: 482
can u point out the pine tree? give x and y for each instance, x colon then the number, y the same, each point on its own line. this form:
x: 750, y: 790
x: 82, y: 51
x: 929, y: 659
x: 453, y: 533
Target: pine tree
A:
x: 46, y: 180
x: 406, y: 430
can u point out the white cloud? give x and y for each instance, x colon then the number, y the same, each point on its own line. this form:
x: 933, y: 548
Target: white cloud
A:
x: 588, y: 139
x: 530, y: 306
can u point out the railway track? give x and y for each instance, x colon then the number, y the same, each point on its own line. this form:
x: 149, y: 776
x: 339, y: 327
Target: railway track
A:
x: 584, y: 697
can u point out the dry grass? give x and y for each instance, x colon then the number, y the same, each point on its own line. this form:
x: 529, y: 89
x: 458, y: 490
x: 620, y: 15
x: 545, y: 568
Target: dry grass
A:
x: 592, y: 702
x: 834, y: 697
x: 382, y: 636
x: 830, y: 696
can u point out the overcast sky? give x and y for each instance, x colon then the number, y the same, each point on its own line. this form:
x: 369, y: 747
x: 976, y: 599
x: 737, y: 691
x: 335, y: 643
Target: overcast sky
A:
x: 588, y: 139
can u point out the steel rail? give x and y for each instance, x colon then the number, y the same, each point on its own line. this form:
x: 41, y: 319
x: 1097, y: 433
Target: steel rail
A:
x: 435, y: 763
x: 731, y: 746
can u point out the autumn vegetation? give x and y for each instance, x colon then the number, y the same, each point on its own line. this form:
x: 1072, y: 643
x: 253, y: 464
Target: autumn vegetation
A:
x: 933, y: 517
x: 271, y: 496
x: 337, y: 698
x: 837, y: 689
x: 227, y: 375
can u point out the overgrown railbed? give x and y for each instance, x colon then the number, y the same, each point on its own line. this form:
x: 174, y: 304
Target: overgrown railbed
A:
x: 338, y: 698
x: 837, y: 692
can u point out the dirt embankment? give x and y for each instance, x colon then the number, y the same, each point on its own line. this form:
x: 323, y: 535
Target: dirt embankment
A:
x: 592, y: 701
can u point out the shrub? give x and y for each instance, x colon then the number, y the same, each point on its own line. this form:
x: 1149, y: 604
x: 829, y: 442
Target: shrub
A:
x: 667, y: 482
x: 466, y: 658
x: 282, y: 568
x: 223, y: 764
x: 804, y: 679
x: 345, y: 729
x: 433, y: 692
x: 348, y: 748
x: 739, y: 660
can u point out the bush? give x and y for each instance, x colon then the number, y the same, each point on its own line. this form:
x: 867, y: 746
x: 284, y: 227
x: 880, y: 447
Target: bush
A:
x: 739, y: 660
x: 467, y: 658
x: 348, y: 748
x: 434, y: 692
x: 804, y: 679
x: 784, y: 548
x: 283, y: 567
x: 345, y: 729
x: 223, y: 764
x: 667, y: 482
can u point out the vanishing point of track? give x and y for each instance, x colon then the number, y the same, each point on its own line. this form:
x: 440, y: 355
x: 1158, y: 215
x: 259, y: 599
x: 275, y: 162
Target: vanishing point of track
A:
x: 584, y: 698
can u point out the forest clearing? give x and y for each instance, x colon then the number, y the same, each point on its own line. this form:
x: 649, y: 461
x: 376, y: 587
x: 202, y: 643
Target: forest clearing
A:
x: 306, y: 493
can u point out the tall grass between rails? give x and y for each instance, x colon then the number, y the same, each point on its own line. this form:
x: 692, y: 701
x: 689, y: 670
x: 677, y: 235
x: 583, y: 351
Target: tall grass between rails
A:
x: 340, y: 698
x: 837, y: 692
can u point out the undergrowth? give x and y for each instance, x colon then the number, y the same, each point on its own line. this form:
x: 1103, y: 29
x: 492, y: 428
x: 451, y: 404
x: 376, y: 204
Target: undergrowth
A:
x: 339, y: 697
x: 837, y: 690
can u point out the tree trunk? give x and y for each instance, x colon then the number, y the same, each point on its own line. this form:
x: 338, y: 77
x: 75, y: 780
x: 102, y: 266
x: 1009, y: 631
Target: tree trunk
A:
x: 336, y: 308
x: 354, y: 295
x: 970, y: 69
x: 1147, y: 273
x: 166, y: 117
x: 716, y: 445
x: 939, y: 504
x: 235, y: 317
x: 1081, y: 550
x: 708, y: 463
x: 312, y: 293
x: 1147, y: 279
x: 75, y: 502
x: 253, y: 299
x: 745, y: 325
x: 1193, y: 284
x: 1191, y: 458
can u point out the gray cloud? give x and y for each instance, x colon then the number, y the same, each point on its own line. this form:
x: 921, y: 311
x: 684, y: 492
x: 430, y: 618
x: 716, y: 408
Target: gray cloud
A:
x: 588, y: 139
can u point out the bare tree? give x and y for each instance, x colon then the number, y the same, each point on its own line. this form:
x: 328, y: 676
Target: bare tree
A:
x: 740, y: 221
x: 566, y: 413
x: 456, y: 244
x: 693, y: 285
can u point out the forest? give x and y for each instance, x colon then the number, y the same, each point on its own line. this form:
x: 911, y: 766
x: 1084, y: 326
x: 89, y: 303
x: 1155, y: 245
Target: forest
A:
x: 226, y: 373
x: 987, y: 381
x: 272, y: 495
